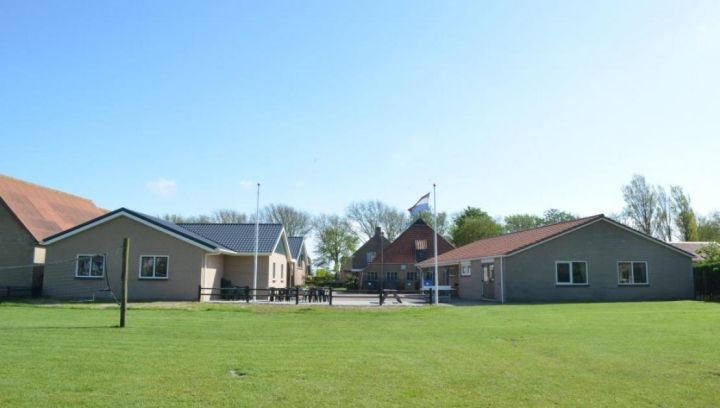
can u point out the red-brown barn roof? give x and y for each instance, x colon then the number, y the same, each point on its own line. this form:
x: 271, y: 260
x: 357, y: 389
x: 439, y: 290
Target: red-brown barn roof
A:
x: 43, y: 211
x: 504, y: 244
x: 402, y: 249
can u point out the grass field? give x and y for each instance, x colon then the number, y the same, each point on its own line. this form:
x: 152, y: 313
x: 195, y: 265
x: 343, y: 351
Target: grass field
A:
x: 622, y: 354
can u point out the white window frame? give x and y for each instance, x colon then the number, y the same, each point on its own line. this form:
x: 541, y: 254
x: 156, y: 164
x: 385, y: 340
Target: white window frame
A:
x: 632, y: 274
x: 91, y: 256
x: 465, y: 269
x: 154, y: 257
x: 571, y: 283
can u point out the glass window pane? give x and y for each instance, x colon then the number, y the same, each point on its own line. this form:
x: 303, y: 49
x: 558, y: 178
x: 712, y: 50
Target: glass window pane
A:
x: 98, y: 266
x: 83, y: 267
x: 639, y: 272
x: 624, y: 272
x: 146, y: 269
x: 579, y: 272
x: 563, y: 272
x: 161, y: 263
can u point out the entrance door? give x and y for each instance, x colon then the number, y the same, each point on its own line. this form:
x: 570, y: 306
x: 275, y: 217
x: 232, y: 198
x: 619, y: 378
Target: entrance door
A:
x: 488, y: 271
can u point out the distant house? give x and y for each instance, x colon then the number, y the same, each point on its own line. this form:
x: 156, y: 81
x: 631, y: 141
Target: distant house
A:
x: 588, y: 259
x: 301, y: 262
x: 693, y: 248
x: 393, y: 267
x: 167, y: 261
x: 28, y: 214
x: 366, y: 254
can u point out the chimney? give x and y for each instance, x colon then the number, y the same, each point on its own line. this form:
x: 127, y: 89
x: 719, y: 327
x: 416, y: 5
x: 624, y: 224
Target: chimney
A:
x: 378, y: 231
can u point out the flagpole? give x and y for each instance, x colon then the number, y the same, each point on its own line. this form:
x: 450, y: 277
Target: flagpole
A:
x: 435, y: 242
x: 257, y: 242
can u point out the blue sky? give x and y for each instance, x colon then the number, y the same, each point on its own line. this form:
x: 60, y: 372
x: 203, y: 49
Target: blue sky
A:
x: 512, y: 106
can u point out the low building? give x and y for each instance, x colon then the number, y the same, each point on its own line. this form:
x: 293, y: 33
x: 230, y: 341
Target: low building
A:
x: 693, y: 247
x: 394, y: 266
x: 300, y: 267
x: 28, y: 214
x: 167, y: 261
x: 588, y: 259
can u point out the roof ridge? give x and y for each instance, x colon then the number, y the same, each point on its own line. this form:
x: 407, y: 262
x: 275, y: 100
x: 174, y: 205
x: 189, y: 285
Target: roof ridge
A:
x: 46, y: 188
x: 227, y: 223
x: 550, y: 225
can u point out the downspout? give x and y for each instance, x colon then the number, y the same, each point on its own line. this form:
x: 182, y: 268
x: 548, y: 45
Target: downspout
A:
x: 502, y: 280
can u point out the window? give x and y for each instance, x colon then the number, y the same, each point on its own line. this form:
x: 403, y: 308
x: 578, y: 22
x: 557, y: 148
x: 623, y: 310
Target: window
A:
x: 429, y: 275
x: 391, y: 276
x: 273, y: 270
x: 90, y: 266
x: 488, y: 271
x: 420, y: 255
x: 410, y: 275
x: 632, y: 273
x: 372, y: 276
x: 282, y: 271
x: 421, y: 244
x: 153, y: 267
x: 370, y: 256
x: 571, y: 273
x: 465, y: 269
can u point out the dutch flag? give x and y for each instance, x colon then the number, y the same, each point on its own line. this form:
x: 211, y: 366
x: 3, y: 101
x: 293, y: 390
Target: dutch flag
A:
x: 423, y: 204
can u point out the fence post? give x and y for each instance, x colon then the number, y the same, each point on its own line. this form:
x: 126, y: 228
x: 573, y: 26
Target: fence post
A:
x: 297, y: 295
x: 124, y: 280
x: 199, y: 292
x: 380, y: 296
x: 330, y: 296
x: 247, y: 294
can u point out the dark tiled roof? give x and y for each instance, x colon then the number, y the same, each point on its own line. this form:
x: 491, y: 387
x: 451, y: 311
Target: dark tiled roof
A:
x: 238, y: 237
x: 402, y: 249
x: 295, y: 246
x: 507, y: 243
x: 167, y: 225
x: 43, y: 211
x: 692, y: 247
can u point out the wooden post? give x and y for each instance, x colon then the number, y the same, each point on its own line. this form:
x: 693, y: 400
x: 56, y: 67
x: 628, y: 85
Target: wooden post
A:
x: 124, y: 280
x: 297, y: 295
x: 330, y: 296
x: 380, y: 296
x: 199, y: 292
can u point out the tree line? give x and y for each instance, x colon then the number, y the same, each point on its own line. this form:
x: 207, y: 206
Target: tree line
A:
x: 664, y: 213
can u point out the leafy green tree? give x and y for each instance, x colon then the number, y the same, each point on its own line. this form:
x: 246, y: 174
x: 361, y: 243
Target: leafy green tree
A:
x: 335, y: 240
x: 519, y: 222
x: 709, y: 227
x: 640, y: 204
x: 553, y: 216
x: 473, y: 224
x: 684, y: 215
x: 710, y: 253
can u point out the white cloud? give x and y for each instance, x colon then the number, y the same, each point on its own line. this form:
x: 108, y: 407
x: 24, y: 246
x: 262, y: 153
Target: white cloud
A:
x: 162, y: 187
x: 246, y: 184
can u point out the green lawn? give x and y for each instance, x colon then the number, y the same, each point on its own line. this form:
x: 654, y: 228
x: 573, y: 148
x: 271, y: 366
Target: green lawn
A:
x: 622, y: 354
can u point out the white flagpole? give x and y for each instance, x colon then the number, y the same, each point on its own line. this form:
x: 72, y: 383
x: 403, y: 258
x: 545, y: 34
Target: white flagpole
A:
x: 434, y: 228
x: 257, y: 242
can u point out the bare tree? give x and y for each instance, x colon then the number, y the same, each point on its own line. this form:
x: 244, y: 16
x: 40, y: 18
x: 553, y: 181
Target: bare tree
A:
x: 228, y: 216
x: 335, y: 240
x: 684, y: 215
x: 640, y: 204
x: 374, y: 213
x: 664, y: 215
x: 296, y: 222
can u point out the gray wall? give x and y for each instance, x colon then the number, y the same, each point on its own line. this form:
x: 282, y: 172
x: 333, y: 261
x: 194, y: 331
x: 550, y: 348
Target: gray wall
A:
x: 184, y: 271
x: 17, y: 247
x: 530, y: 275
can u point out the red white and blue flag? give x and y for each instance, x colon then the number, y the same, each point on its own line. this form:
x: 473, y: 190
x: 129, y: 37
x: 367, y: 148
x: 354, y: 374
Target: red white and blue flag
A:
x: 423, y: 204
